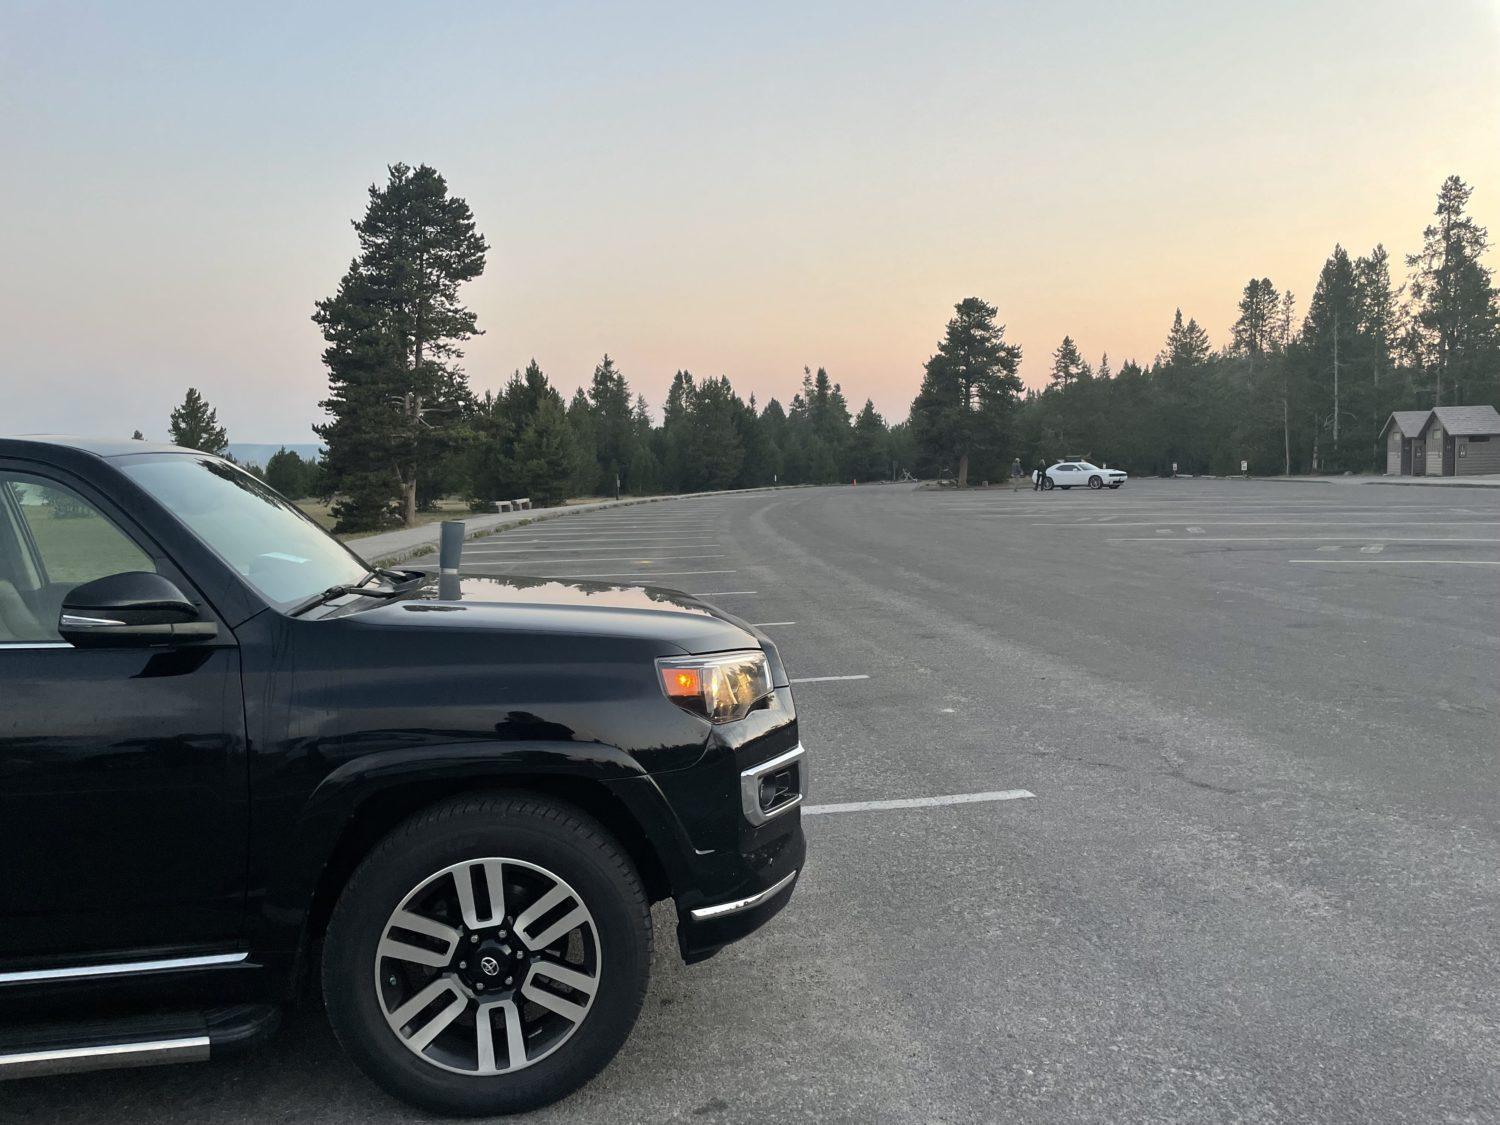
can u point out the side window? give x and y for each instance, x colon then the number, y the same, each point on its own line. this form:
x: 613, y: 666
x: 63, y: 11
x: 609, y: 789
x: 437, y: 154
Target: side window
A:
x: 52, y: 539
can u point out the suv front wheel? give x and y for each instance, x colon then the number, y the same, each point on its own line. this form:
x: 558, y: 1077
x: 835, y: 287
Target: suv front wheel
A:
x: 489, y: 956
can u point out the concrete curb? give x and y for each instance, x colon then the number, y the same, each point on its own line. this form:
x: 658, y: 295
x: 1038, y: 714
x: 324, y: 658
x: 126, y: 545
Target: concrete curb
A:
x: 423, y: 540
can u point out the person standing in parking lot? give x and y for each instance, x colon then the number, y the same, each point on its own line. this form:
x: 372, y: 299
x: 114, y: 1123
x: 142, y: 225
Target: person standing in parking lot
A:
x: 1040, y: 478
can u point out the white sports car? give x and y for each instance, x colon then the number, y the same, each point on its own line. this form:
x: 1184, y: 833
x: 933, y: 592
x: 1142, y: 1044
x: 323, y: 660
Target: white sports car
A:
x: 1065, y: 474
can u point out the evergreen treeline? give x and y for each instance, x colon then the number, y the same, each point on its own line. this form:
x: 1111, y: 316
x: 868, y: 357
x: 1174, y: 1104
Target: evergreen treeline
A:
x: 1289, y: 396
x: 406, y: 428
x: 1285, y: 395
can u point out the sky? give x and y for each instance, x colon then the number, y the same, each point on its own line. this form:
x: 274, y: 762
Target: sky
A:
x: 735, y: 189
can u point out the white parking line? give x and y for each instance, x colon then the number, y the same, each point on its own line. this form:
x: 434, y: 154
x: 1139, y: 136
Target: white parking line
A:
x: 633, y: 557
x: 919, y: 802
x: 509, y: 545
x: 826, y: 679
x: 1298, y: 539
x: 724, y: 593
x: 768, y: 624
x: 1401, y: 562
x: 1166, y: 518
x: 638, y: 574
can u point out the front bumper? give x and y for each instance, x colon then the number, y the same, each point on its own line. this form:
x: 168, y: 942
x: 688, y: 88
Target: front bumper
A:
x: 751, y: 880
x: 732, y: 861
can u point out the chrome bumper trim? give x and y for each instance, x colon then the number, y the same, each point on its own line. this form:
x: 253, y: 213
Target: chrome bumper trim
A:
x: 750, y: 786
x: 708, y: 913
x: 73, y: 1060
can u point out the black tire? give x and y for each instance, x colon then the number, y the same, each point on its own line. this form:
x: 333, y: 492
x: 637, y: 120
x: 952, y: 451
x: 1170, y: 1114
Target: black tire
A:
x: 1048, y: 484
x: 1095, y: 482
x: 525, y: 830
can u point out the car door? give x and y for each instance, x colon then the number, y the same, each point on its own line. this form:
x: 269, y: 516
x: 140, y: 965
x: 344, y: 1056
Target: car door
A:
x: 123, y: 801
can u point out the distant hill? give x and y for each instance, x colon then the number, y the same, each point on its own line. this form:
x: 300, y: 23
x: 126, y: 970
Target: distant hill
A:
x: 248, y: 453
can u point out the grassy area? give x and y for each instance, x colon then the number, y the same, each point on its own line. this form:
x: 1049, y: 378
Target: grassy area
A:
x: 449, y: 508
x: 77, y: 544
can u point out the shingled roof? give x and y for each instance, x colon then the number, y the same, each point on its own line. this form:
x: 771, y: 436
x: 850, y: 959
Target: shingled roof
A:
x: 1409, y: 423
x: 1462, y: 420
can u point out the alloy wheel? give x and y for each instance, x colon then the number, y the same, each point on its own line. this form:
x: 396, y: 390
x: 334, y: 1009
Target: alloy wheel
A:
x: 488, y: 966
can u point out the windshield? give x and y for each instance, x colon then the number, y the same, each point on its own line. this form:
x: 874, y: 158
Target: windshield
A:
x: 267, y: 540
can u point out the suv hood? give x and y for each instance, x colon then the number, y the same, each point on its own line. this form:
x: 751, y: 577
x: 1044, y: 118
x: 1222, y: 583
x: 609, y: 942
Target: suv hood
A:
x: 584, y: 609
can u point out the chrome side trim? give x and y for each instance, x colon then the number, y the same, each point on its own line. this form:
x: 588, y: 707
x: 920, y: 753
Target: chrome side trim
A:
x: 750, y: 787
x: 72, y: 1060
x: 117, y: 968
x: 75, y: 621
x: 708, y: 913
x: 34, y: 644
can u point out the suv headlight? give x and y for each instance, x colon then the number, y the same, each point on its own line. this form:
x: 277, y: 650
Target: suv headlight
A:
x: 719, y: 688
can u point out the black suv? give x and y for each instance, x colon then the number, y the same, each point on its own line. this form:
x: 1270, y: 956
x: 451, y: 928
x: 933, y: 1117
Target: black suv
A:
x: 237, y: 762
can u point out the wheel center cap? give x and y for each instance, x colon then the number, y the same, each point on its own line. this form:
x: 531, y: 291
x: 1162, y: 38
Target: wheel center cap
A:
x: 486, y: 965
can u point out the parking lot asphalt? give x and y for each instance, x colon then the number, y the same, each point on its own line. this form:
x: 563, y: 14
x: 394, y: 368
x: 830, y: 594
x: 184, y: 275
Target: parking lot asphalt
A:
x: 1255, y: 880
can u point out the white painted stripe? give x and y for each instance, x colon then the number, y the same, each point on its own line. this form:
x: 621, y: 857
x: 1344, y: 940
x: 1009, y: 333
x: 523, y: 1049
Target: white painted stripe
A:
x: 724, y: 593
x: 1073, y: 525
x: 1296, y: 539
x: 1401, y: 562
x: 511, y: 546
x: 919, y: 802
x: 636, y: 574
x: 637, y: 557
x: 826, y: 679
x: 768, y: 624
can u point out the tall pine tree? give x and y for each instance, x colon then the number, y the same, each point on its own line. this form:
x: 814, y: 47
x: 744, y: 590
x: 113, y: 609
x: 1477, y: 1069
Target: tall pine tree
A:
x: 1455, y: 313
x: 969, y: 392
x: 393, y: 329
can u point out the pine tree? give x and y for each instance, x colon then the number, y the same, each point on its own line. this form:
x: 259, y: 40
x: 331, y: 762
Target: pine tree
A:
x: 545, y: 458
x: 614, y: 427
x: 1332, y: 344
x: 1378, y: 327
x: 138, y: 436
x: 1252, y: 332
x: 195, y: 425
x: 1068, y: 365
x: 1455, y: 313
x: 583, y: 427
x: 712, y: 451
x: 393, y: 331
x: 773, y: 426
x: 673, y: 437
x: 969, y: 392
x: 490, y: 457
x: 869, y: 446
x: 286, y: 472
x: 1187, y: 344
x: 643, y: 470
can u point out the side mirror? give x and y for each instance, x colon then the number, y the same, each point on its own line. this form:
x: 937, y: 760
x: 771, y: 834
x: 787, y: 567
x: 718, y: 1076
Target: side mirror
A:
x: 134, y: 608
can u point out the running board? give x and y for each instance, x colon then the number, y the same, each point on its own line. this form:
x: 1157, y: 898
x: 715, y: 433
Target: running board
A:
x: 30, y: 1051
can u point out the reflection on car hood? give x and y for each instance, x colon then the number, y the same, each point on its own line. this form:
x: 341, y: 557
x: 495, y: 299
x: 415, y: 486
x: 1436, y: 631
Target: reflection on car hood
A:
x: 553, y: 606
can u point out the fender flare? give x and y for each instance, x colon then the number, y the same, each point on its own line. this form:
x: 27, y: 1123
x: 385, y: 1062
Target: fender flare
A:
x: 331, y: 810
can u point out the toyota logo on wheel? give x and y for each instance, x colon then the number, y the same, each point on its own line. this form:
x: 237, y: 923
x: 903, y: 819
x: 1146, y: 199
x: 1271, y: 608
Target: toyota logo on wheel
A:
x: 489, y: 966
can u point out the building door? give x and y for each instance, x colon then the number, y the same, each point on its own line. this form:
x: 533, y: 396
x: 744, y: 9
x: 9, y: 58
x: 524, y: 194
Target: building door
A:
x: 1406, y: 457
x: 1450, y: 444
x: 1418, y: 457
